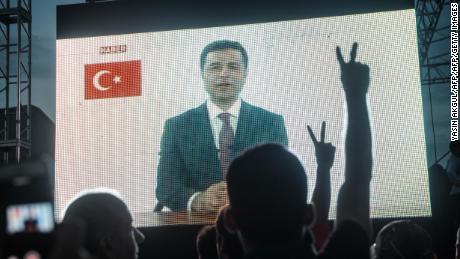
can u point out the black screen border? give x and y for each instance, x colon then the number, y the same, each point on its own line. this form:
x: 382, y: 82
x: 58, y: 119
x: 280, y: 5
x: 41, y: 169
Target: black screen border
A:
x: 137, y: 16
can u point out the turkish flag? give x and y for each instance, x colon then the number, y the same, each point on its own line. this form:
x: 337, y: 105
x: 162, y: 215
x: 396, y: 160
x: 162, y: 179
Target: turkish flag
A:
x: 116, y: 79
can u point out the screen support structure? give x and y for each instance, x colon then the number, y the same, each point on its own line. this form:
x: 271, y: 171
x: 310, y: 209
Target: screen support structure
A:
x: 434, y: 69
x: 15, y: 80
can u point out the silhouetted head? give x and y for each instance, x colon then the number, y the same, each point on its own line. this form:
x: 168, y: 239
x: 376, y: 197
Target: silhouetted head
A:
x: 403, y: 239
x: 108, y: 222
x: 267, y: 189
x: 206, y: 243
x: 228, y: 244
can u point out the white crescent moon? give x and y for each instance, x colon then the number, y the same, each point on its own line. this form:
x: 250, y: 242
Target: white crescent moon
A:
x: 96, y: 83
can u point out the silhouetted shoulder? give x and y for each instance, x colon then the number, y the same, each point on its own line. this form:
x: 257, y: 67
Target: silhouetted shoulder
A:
x: 349, y: 240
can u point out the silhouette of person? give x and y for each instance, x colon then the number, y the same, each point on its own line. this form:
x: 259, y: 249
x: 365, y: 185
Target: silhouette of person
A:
x: 31, y: 223
x: 267, y: 188
x: 108, y: 224
x: 403, y: 239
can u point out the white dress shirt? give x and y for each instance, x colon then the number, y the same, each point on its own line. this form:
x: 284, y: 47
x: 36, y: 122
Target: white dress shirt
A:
x: 216, y: 126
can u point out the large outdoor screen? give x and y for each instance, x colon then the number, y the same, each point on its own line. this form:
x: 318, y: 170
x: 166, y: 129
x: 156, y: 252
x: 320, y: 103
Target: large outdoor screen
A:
x: 126, y: 101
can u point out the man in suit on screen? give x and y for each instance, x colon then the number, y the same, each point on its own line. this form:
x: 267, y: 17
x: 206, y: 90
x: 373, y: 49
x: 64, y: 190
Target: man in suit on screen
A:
x: 198, y: 145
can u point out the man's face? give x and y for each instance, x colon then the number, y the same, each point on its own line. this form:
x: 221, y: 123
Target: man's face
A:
x: 224, y: 75
x: 126, y: 239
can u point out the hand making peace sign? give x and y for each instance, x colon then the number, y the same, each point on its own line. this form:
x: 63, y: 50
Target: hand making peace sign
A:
x: 355, y: 76
x: 325, y: 152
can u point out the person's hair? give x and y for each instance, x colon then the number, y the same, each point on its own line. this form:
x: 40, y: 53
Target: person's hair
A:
x: 99, y: 211
x: 404, y: 239
x: 267, y: 188
x: 229, y: 242
x: 223, y: 45
x: 206, y: 242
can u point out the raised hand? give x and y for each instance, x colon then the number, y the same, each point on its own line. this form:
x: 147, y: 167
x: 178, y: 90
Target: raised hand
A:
x: 325, y: 152
x: 354, y: 75
x: 353, y: 200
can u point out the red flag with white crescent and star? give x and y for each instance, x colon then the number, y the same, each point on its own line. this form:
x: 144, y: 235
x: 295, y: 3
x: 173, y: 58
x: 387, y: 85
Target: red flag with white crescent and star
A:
x: 115, y: 79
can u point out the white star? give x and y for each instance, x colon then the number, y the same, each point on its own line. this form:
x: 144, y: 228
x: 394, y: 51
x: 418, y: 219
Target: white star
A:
x: 117, y: 79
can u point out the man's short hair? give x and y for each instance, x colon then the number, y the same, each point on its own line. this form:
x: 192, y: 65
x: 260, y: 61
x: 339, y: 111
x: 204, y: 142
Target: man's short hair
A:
x: 222, y: 45
x: 229, y: 243
x: 206, y: 242
x: 404, y: 238
x: 99, y: 211
x: 267, y: 188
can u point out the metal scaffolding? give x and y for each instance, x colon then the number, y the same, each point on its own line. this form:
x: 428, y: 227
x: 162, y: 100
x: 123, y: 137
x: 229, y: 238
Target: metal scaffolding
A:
x: 15, y: 80
x: 428, y: 14
x: 434, y: 70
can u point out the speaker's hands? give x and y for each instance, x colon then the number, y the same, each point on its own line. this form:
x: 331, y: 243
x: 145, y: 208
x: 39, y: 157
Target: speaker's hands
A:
x: 212, y: 199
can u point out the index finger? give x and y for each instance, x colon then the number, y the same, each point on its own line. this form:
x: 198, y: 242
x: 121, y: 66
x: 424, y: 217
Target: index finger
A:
x: 312, y: 135
x: 323, y: 131
x: 339, y: 56
x: 354, y: 49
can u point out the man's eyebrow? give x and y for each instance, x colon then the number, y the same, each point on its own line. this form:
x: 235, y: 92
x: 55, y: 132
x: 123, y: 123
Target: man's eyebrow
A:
x: 215, y: 63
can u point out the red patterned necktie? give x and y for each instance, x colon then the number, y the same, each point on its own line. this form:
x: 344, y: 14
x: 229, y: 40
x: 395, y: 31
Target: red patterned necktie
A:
x: 225, y: 142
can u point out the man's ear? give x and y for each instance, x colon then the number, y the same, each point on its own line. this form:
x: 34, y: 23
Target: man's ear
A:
x: 229, y: 220
x: 309, y: 214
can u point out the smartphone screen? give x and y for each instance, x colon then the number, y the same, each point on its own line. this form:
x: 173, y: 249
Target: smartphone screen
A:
x: 26, y: 214
x: 29, y: 218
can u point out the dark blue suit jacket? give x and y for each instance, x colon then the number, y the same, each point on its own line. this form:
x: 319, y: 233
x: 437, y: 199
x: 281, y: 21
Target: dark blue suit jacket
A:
x: 189, y: 160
